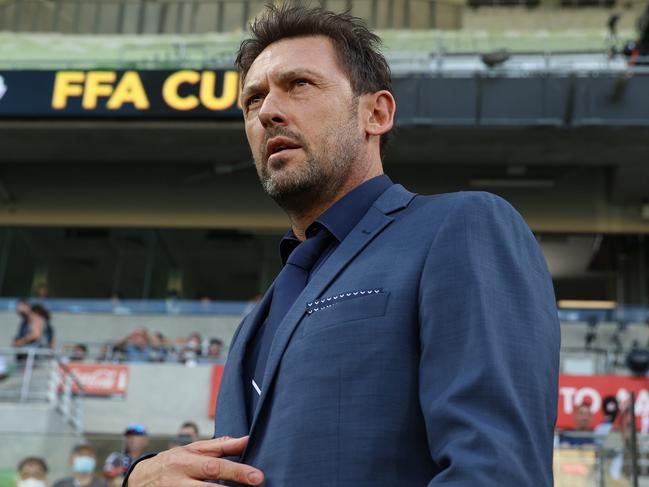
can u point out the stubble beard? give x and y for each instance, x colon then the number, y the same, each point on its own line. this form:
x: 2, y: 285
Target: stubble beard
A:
x: 320, y: 176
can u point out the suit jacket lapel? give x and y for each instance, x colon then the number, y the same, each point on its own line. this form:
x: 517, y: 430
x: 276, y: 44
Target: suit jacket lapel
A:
x: 233, y: 420
x: 374, y: 221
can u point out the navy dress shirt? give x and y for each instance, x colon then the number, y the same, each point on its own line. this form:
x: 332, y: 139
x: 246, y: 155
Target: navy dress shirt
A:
x: 338, y: 220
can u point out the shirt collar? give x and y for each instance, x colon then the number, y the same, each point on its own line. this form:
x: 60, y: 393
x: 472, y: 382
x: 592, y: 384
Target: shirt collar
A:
x: 343, y: 215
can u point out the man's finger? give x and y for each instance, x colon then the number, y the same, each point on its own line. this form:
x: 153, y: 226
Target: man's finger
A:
x: 179, y: 466
x: 219, y: 447
x: 200, y: 467
x: 221, y: 469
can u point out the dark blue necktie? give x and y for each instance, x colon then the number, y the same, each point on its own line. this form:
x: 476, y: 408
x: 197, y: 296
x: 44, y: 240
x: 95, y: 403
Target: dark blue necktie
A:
x: 289, y: 284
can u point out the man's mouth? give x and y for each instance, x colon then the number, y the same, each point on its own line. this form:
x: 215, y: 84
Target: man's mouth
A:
x: 280, y: 146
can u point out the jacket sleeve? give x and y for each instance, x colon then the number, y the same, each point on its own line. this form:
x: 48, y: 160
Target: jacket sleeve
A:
x: 489, y: 349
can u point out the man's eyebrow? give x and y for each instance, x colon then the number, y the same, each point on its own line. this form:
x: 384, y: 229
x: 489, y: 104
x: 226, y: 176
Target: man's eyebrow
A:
x: 296, y: 73
x: 281, y: 77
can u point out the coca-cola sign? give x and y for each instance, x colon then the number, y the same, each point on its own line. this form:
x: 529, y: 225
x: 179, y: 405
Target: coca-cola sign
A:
x: 101, y: 379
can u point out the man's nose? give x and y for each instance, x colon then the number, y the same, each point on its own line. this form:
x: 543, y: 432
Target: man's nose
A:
x: 271, y: 113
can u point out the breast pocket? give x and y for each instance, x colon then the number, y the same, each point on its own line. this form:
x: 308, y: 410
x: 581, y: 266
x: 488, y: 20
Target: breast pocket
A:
x: 325, y: 314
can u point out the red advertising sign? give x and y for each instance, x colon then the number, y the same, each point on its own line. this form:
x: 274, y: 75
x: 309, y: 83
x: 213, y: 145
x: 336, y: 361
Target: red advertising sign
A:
x: 101, y: 379
x: 580, y: 389
x: 217, y: 375
x: 573, y: 390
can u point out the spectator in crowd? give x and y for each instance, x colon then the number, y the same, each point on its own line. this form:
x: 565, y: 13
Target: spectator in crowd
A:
x: 581, y: 435
x: 188, y: 433
x: 161, y: 348
x: 22, y: 310
x: 79, y: 352
x: 117, y: 464
x: 136, y: 346
x: 610, y: 408
x: 106, y: 353
x: 83, y: 461
x: 214, y: 350
x: 32, y: 472
x: 191, y: 349
x: 40, y: 333
x: 190, y: 429
x: 141, y: 346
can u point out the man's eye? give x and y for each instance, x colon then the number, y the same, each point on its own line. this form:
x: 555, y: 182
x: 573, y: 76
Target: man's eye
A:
x: 302, y: 82
x: 253, y: 100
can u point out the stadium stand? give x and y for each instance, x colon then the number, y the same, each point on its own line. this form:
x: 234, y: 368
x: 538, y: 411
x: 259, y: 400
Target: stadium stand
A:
x: 133, y: 221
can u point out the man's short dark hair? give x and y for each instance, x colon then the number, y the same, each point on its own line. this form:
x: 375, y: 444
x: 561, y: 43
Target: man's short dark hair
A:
x: 357, y: 48
x: 33, y: 460
x: 83, y: 447
x: 190, y: 424
x: 40, y: 310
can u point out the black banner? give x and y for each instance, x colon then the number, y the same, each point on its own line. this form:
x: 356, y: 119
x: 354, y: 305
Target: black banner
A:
x: 120, y: 94
x: 433, y: 100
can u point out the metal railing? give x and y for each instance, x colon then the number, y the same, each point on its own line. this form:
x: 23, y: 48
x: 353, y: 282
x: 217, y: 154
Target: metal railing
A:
x: 39, y: 375
x: 444, y: 58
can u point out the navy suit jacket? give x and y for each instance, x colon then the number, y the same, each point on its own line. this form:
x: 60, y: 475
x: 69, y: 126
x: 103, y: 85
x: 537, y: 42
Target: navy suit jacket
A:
x: 423, y: 352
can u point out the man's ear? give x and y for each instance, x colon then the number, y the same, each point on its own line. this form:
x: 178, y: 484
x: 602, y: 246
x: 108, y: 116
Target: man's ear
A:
x: 378, y: 114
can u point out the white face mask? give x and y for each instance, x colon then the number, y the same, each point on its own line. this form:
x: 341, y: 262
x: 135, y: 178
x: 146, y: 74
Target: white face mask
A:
x: 31, y: 482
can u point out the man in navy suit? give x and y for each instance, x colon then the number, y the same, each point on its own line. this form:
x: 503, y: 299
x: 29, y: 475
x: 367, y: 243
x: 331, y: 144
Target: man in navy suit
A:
x: 416, y: 344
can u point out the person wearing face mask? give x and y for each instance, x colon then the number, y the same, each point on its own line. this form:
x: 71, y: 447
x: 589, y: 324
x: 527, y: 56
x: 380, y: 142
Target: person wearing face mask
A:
x: 83, y: 461
x: 32, y: 472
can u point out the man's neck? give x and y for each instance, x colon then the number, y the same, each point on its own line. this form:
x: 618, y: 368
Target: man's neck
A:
x: 300, y: 220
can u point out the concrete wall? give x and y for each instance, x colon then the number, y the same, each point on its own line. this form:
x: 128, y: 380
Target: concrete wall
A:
x: 160, y: 396
x: 35, y: 429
